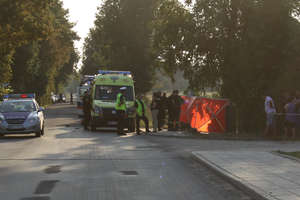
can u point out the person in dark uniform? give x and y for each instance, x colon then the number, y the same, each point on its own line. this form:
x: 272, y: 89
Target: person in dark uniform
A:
x: 121, y: 110
x: 71, y: 98
x: 174, y: 102
x: 86, y: 110
x: 141, y: 114
x: 160, y: 108
x: 154, y: 112
x: 162, y: 111
x: 170, y: 113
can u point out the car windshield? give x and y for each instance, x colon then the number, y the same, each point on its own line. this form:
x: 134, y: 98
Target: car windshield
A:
x: 17, y: 106
x: 109, y: 93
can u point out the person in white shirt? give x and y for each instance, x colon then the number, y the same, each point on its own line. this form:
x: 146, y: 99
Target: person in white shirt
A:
x: 270, y: 116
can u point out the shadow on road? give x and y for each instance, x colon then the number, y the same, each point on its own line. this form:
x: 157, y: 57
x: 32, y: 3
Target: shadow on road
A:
x: 16, y: 138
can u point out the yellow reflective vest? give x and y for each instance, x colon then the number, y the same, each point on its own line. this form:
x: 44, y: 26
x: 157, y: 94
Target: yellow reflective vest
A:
x: 141, y: 107
x: 121, y: 102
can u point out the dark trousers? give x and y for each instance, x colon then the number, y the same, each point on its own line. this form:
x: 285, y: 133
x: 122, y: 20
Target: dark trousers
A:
x: 86, y: 119
x: 146, y: 121
x: 161, y: 118
x: 121, y: 121
x: 173, y: 122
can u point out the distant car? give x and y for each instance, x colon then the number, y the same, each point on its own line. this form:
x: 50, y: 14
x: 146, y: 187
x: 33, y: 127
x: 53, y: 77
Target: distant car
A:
x: 61, y: 98
x: 21, y: 114
x: 54, y: 98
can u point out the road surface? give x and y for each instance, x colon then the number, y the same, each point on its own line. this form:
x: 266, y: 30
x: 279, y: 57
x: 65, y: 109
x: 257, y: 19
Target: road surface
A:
x: 70, y: 163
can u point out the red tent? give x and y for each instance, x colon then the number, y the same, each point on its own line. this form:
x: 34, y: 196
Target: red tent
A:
x: 205, y: 114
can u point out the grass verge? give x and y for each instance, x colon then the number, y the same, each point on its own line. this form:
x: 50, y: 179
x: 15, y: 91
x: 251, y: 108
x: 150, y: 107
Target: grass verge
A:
x: 295, y: 154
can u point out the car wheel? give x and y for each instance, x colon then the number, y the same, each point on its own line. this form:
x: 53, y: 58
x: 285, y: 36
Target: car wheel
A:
x: 38, y: 134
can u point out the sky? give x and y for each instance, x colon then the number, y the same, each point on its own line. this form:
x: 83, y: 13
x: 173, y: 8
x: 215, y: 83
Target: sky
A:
x: 83, y: 14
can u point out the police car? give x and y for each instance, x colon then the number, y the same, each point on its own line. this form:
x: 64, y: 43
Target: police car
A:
x: 21, y: 114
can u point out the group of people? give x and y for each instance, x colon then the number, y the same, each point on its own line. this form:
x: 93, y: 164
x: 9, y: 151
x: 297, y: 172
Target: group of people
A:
x: 161, y: 107
x: 285, y: 117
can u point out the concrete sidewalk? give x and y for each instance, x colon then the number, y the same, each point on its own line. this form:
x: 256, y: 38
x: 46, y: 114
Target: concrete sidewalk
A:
x: 264, y: 174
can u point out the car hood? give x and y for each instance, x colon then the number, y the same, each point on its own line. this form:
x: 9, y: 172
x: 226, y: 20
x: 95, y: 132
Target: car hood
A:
x: 16, y: 115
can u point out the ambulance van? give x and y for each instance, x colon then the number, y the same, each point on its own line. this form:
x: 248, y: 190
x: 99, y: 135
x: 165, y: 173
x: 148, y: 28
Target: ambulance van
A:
x: 104, y: 92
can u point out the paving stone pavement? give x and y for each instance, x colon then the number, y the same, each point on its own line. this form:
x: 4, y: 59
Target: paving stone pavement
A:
x: 269, y: 175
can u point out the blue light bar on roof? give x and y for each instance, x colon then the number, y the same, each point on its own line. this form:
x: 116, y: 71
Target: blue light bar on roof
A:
x: 19, y: 96
x: 114, y: 72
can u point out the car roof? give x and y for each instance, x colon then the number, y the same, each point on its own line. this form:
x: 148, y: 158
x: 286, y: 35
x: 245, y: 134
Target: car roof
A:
x: 19, y: 100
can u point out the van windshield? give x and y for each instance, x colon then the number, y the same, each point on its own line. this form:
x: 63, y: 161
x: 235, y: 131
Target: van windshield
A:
x: 109, y: 92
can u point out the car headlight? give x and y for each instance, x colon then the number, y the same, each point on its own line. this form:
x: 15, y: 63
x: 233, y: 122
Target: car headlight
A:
x: 32, y: 120
x: 2, y: 119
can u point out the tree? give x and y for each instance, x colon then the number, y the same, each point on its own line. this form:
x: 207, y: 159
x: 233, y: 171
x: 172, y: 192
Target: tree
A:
x: 243, y: 48
x: 121, y: 40
x: 173, y: 25
x: 47, y: 59
x: 18, y: 25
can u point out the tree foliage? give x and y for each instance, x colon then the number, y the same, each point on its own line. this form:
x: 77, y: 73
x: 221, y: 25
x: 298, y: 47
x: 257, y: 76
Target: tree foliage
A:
x: 20, y: 22
x: 121, y: 40
x: 244, y: 48
x: 37, y: 46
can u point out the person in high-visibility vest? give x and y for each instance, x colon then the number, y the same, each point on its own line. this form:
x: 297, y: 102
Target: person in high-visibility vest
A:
x: 121, y: 110
x: 141, y: 114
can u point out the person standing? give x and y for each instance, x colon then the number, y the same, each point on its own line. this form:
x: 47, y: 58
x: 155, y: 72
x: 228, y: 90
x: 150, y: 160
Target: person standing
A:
x: 297, y: 103
x: 290, y: 117
x: 141, y: 114
x: 162, y: 111
x: 121, y: 110
x: 177, y: 102
x: 170, y: 108
x: 71, y: 98
x: 270, y: 116
x: 86, y: 110
x: 154, y: 111
x: 280, y: 119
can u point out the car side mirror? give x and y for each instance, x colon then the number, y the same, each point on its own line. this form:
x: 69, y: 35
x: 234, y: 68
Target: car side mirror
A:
x: 41, y: 109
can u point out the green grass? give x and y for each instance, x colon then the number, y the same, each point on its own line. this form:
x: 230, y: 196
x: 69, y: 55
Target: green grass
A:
x: 295, y: 154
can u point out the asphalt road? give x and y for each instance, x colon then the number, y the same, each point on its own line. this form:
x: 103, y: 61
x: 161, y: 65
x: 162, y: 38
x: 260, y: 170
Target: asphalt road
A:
x: 70, y: 163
